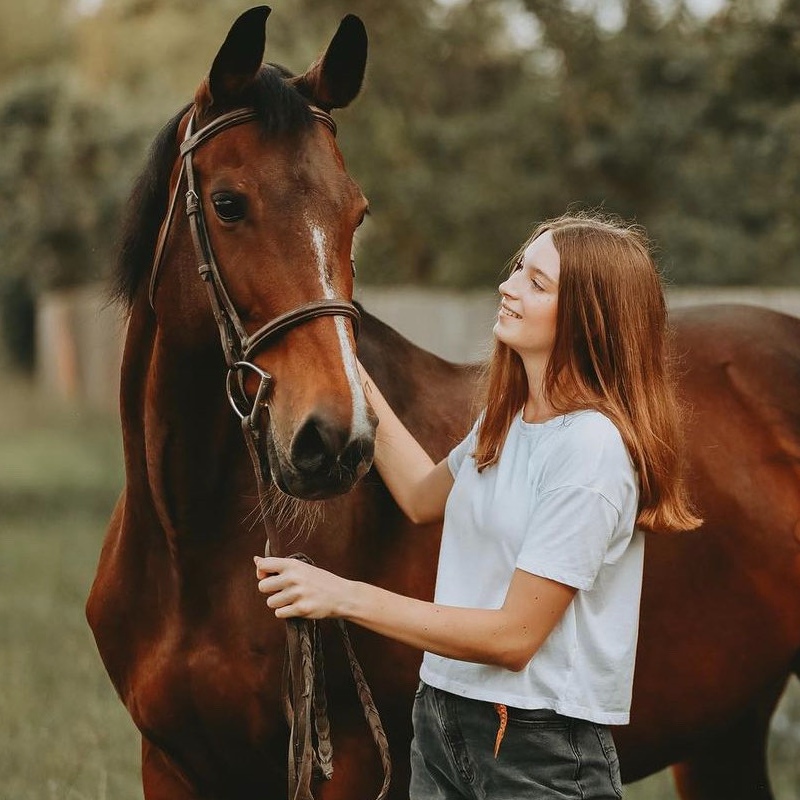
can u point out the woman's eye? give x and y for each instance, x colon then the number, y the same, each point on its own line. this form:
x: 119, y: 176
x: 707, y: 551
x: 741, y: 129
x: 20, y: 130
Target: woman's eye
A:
x: 229, y: 207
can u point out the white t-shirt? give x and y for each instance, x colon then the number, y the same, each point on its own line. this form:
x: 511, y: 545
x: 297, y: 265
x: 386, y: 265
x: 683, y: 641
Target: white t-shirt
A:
x: 560, y: 503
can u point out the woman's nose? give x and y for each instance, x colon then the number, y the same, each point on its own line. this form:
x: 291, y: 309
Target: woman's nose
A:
x: 506, y: 287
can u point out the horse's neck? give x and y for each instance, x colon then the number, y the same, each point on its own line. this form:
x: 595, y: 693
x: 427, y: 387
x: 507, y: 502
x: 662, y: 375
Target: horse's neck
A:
x: 434, y: 398
x: 183, y: 451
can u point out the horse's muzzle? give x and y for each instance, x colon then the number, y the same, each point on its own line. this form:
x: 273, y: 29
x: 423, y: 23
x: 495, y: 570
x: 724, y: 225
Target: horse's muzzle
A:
x: 323, y: 460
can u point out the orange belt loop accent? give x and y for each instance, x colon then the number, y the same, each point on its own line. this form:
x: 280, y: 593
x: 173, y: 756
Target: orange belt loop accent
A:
x: 502, y: 713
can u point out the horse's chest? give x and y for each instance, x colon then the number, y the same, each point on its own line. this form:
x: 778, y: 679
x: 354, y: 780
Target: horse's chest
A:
x: 195, y: 662
x: 205, y: 696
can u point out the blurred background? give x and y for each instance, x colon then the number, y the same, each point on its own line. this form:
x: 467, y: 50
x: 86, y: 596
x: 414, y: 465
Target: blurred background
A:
x: 477, y: 119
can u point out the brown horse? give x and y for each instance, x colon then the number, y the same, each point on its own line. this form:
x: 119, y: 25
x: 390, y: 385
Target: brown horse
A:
x: 189, y: 645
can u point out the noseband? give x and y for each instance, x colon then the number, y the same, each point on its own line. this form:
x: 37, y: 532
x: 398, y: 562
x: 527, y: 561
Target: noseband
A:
x: 238, y: 346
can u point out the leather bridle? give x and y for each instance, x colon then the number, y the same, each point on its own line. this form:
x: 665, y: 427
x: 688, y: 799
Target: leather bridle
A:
x: 303, y: 693
x: 238, y: 346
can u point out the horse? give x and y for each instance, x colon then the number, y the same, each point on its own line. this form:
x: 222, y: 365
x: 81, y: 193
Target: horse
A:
x: 720, y: 616
x: 269, y: 327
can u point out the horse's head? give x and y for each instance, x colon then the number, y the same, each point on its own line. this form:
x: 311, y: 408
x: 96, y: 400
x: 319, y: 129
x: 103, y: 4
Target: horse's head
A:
x: 273, y: 213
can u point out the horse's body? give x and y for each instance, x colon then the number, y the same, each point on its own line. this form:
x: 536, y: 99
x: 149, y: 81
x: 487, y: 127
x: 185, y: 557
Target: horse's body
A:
x: 187, y: 640
x: 720, y: 624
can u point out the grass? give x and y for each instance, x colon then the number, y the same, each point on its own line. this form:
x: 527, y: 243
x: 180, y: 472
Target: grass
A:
x: 64, y: 735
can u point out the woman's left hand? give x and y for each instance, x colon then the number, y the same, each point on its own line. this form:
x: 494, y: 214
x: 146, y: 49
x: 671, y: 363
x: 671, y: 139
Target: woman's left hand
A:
x: 297, y: 589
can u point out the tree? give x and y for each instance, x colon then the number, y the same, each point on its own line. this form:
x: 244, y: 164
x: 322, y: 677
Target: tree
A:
x: 464, y: 134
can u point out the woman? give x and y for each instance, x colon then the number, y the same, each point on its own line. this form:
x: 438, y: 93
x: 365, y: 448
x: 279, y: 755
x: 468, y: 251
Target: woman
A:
x: 530, y: 642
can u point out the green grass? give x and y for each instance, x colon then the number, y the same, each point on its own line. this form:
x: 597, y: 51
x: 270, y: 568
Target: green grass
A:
x: 64, y: 735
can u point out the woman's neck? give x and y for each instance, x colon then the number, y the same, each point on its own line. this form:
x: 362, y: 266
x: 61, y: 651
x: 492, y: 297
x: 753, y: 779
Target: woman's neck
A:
x: 536, y: 408
x: 541, y: 412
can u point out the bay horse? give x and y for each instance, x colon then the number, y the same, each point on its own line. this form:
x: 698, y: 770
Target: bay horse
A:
x: 188, y: 642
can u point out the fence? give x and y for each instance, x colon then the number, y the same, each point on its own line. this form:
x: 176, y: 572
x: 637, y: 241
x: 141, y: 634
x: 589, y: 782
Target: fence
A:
x: 79, y: 336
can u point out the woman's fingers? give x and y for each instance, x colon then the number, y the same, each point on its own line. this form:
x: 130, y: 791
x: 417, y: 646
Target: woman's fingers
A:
x: 271, y: 565
x: 283, y: 596
x: 287, y: 584
x: 297, y: 589
x: 364, y: 375
x: 281, y: 599
x: 271, y: 584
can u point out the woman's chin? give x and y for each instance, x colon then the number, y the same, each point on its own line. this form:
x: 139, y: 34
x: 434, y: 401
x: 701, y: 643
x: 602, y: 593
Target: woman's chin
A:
x: 500, y: 334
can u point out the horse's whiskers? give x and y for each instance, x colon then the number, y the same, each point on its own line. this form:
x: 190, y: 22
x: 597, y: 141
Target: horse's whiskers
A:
x: 254, y: 516
x: 279, y: 511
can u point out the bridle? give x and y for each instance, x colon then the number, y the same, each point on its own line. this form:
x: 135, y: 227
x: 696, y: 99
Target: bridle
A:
x: 303, y: 692
x: 238, y: 346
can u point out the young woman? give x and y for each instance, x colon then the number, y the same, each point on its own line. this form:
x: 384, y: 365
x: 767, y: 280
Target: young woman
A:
x: 530, y: 642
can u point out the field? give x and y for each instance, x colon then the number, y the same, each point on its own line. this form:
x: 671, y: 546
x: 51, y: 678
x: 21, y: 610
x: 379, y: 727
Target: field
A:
x: 63, y: 733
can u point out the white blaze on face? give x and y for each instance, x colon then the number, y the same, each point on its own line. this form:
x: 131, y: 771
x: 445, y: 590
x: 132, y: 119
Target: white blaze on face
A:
x: 360, y: 424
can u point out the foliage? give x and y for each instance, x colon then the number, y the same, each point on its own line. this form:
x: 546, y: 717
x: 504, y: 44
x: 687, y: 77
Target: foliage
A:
x: 466, y: 132
x: 17, y: 321
x: 59, y: 184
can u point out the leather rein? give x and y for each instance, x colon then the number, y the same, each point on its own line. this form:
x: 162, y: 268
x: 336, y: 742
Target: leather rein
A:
x: 303, y: 692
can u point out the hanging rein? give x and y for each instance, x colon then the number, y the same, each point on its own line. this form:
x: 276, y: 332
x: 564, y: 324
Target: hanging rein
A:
x: 303, y: 691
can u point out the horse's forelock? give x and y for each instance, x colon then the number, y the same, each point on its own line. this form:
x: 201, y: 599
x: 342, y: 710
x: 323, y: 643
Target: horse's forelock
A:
x: 280, y: 107
x: 281, y: 110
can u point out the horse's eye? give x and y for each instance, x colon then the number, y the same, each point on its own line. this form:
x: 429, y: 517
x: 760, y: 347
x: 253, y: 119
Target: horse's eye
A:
x: 229, y: 207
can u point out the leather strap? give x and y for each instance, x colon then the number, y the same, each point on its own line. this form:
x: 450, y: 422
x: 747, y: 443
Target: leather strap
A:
x: 312, y: 310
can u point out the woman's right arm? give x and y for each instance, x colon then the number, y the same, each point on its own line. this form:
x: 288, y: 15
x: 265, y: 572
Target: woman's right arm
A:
x: 418, y: 486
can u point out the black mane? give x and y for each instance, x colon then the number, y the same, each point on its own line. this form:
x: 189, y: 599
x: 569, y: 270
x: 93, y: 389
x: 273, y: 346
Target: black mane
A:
x: 281, y: 109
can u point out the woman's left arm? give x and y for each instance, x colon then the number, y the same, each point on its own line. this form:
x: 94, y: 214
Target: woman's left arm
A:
x: 507, y: 637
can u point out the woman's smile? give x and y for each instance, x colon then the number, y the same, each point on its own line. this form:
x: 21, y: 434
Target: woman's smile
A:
x: 507, y: 312
x: 529, y: 296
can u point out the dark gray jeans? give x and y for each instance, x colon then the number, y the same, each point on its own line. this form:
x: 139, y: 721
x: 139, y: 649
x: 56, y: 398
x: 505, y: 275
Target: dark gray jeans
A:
x: 542, y: 755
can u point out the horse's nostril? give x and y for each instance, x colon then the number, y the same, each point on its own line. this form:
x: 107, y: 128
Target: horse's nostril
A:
x: 311, y: 446
x: 357, y: 452
x: 318, y: 447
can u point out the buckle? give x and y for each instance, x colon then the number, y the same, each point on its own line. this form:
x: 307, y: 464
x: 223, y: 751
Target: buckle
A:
x: 237, y: 396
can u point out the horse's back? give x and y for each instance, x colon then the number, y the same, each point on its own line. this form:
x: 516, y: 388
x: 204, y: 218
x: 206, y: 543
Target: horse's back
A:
x: 764, y: 342
x: 720, y: 620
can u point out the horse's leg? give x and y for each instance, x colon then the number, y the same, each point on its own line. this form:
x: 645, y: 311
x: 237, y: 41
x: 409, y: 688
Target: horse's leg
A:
x: 733, y: 764
x: 161, y: 778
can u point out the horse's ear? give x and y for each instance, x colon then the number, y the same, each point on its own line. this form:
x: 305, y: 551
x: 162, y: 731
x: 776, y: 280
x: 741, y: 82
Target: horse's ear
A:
x: 335, y: 78
x: 238, y: 60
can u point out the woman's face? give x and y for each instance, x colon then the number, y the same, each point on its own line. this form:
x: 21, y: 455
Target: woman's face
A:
x: 526, y: 321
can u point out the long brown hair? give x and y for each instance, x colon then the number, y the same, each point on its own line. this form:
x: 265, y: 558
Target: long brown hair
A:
x: 611, y: 353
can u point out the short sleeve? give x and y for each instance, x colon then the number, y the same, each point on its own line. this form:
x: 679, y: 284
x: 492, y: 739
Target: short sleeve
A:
x: 568, y: 535
x: 466, y: 447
